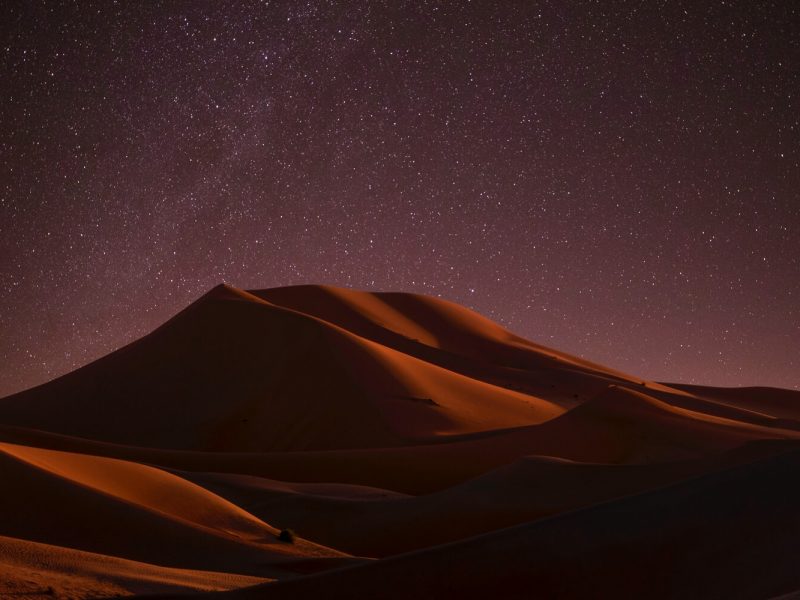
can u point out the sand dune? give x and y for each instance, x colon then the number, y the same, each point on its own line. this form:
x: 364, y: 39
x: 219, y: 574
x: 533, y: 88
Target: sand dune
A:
x: 724, y: 535
x: 774, y: 402
x: 433, y: 322
x: 261, y: 377
x: 230, y: 372
x: 377, y: 523
x: 137, y: 512
x: 619, y: 426
x: 31, y: 571
x: 469, y: 461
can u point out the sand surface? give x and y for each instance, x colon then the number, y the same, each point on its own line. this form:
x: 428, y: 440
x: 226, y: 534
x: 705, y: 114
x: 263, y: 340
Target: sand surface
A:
x: 415, y: 448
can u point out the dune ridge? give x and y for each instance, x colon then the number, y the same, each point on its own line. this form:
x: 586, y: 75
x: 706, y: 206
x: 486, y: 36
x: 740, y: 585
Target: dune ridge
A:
x: 398, y: 436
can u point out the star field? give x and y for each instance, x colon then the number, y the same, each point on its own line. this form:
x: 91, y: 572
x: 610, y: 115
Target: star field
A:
x: 618, y: 180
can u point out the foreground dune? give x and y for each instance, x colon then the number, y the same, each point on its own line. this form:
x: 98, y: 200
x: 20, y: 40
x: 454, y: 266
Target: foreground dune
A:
x: 378, y: 523
x: 31, y: 571
x: 468, y: 461
x: 137, y: 512
x: 725, y: 535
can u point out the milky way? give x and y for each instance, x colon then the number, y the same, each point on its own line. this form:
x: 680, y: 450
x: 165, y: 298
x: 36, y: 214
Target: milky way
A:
x: 619, y: 180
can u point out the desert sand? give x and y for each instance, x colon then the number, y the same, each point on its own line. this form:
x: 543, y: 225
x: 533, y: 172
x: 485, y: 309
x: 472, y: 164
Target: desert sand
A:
x: 414, y: 447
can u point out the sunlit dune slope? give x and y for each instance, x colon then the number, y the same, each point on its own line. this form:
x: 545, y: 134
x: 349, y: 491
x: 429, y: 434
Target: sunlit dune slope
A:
x: 134, y: 511
x: 31, y: 570
x: 388, y: 318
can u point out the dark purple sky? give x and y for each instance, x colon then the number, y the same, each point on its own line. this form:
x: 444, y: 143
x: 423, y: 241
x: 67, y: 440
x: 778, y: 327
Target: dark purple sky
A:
x: 620, y: 180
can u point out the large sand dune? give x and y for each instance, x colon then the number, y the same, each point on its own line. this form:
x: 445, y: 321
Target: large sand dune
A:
x: 470, y: 462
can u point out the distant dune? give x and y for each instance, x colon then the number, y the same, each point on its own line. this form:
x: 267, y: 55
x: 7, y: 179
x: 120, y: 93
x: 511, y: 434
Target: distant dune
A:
x: 414, y: 447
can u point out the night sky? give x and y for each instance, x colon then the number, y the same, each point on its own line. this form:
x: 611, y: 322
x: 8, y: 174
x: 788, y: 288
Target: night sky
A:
x: 619, y: 180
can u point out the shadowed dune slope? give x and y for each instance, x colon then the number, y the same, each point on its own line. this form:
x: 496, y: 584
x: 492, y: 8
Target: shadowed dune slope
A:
x: 377, y: 523
x: 230, y: 372
x: 729, y: 534
x: 775, y: 402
